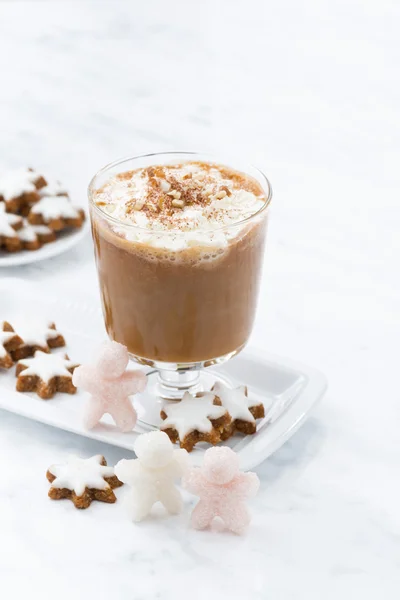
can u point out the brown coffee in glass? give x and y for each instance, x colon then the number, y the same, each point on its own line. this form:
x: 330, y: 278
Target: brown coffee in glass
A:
x: 179, y: 244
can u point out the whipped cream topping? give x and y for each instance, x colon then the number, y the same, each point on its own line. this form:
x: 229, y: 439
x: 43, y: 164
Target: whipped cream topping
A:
x: 190, y: 201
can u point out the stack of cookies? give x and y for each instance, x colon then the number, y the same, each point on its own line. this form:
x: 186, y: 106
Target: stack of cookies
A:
x: 37, y: 369
x: 33, y: 210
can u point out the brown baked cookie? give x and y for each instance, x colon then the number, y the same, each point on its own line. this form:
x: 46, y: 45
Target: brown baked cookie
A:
x: 19, y: 189
x: 194, y: 419
x: 56, y: 212
x: 243, y: 410
x: 53, y: 188
x: 9, y: 225
x: 9, y: 340
x: 37, y: 336
x: 33, y: 237
x: 45, y: 374
x: 83, y: 480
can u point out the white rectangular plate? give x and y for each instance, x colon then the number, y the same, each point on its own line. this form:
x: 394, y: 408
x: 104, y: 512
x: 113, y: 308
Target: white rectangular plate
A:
x: 288, y: 390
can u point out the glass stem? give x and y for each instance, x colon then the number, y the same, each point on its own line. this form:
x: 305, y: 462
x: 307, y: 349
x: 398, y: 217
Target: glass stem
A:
x: 173, y: 384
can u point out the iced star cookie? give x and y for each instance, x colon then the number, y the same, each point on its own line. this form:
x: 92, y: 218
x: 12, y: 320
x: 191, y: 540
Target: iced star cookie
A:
x: 56, y: 212
x: 33, y: 237
x: 53, y: 188
x: 9, y: 340
x: 19, y: 189
x: 37, y: 336
x: 9, y: 225
x: 194, y: 419
x: 83, y: 480
x: 45, y: 374
x: 243, y: 410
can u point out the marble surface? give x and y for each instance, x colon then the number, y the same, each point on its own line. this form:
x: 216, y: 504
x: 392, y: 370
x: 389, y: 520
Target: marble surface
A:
x: 308, y: 91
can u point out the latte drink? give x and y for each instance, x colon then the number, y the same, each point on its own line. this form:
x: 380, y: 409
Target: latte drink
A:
x: 179, y: 249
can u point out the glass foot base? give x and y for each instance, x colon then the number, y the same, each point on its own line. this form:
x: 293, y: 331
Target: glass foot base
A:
x: 163, y: 387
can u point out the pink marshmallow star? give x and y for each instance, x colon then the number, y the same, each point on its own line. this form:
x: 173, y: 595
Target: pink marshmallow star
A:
x: 222, y: 489
x: 110, y: 386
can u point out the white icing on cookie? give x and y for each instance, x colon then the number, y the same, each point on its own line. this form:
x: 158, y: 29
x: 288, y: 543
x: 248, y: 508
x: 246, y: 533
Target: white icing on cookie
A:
x: 42, y: 229
x: 77, y: 474
x: 5, y: 336
x: 29, y: 233
x: 236, y: 402
x: 7, y: 220
x: 55, y: 207
x: 36, y: 334
x: 192, y: 414
x: 17, y: 182
x: 46, y: 366
x: 53, y: 188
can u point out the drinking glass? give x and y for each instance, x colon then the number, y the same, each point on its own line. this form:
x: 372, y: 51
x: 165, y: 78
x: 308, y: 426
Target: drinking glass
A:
x: 178, y: 308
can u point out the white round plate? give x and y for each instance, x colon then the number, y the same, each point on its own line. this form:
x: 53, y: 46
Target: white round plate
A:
x: 64, y: 241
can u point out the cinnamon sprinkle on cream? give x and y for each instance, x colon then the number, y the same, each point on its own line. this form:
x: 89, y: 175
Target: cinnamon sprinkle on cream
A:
x: 192, y: 196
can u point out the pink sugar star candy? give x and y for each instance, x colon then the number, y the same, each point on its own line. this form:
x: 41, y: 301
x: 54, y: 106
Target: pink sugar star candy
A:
x: 110, y: 386
x: 222, y: 489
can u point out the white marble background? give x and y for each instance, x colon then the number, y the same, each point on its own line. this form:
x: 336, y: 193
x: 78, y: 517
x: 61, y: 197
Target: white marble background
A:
x: 309, y: 91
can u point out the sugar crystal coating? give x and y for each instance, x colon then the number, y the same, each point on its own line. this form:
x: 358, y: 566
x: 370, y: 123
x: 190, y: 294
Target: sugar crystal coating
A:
x: 110, y: 386
x: 222, y: 489
x: 152, y: 475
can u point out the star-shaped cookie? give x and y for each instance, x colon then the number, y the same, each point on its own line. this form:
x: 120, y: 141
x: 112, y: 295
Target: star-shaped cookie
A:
x: 194, y: 419
x: 19, y: 189
x: 9, y: 340
x: 37, y: 336
x: 56, y: 212
x: 45, y: 374
x: 9, y: 225
x: 243, y: 409
x: 53, y: 188
x: 33, y: 237
x: 83, y: 480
